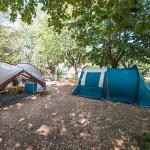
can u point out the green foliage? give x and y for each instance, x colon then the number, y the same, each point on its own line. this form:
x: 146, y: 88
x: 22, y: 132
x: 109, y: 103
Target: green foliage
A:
x: 1, y: 54
x: 45, y: 48
x: 116, y: 30
x: 26, y: 9
x: 8, y: 44
x: 54, y: 48
x: 59, y: 72
x: 114, y: 14
x: 27, y: 43
x: 74, y: 53
x: 49, y: 48
x: 143, y: 140
x: 113, y: 27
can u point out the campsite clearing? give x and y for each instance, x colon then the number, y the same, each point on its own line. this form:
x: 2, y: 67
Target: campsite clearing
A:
x: 62, y: 121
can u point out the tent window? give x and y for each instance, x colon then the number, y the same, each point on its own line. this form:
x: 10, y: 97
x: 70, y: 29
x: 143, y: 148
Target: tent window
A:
x: 92, y: 79
x: 15, y: 82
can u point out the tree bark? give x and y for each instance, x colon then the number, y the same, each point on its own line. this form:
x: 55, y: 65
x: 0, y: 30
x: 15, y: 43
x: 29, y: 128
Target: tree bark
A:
x: 114, y: 64
x: 74, y: 62
x: 112, y: 60
x: 76, y: 70
x: 76, y: 74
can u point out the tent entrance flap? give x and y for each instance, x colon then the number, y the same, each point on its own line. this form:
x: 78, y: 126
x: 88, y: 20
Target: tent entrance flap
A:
x: 91, y: 83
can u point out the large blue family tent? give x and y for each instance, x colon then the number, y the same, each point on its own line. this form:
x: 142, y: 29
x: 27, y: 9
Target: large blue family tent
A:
x: 118, y: 85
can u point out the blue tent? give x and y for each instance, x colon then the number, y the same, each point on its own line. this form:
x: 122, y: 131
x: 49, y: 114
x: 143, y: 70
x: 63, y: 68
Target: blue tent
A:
x: 118, y: 85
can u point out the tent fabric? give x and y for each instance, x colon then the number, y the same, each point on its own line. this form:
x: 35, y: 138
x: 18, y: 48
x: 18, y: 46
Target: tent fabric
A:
x: 144, y: 94
x: 119, y: 85
x: 9, y: 72
x: 32, y: 70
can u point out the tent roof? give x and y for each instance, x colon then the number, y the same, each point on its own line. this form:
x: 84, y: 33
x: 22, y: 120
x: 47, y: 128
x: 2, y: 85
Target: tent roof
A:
x: 32, y: 70
x: 9, y: 72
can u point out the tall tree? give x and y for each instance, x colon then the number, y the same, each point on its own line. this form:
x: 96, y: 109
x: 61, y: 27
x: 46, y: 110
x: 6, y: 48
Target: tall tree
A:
x: 49, y: 48
x: 74, y: 54
x: 109, y: 23
x: 128, y: 13
x: 9, y: 45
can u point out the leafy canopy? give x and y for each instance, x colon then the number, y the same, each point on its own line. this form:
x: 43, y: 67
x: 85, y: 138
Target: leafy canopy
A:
x: 122, y: 13
x: 115, y: 29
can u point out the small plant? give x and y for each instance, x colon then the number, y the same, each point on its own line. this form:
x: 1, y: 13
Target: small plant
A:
x: 59, y: 73
x: 143, y: 140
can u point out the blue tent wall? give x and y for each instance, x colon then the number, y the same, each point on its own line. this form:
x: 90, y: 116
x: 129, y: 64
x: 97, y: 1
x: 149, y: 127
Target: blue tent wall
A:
x: 144, y: 94
x: 121, y: 85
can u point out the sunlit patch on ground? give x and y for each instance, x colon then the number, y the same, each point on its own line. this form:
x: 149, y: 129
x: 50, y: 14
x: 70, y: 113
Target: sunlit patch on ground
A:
x: 17, y: 145
x: 72, y: 114
x: 43, y: 130
x: 20, y: 120
x: 34, y: 97
x: 84, y: 135
x: 54, y: 114
x: 118, y: 144
x: 5, y: 108
x: 19, y: 105
x: 83, y: 120
x: 29, y: 148
x: 46, y: 106
x: 63, y: 130
x: 30, y: 125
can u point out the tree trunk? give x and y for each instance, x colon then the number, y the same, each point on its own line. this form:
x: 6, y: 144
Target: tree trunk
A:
x: 57, y: 74
x: 114, y: 60
x: 124, y: 64
x: 114, y: 64
x: 76, y: 73
x: 74, y: 62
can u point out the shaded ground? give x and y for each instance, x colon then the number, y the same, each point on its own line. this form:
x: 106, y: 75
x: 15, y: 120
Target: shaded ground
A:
x: 11, y: 98
x: 64, y: 122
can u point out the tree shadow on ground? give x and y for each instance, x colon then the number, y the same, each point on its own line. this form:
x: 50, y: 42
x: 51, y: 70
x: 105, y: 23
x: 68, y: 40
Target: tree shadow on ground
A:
x: 12, y: 98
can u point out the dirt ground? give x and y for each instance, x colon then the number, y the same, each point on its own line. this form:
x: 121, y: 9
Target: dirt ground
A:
x: 60, y: 121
